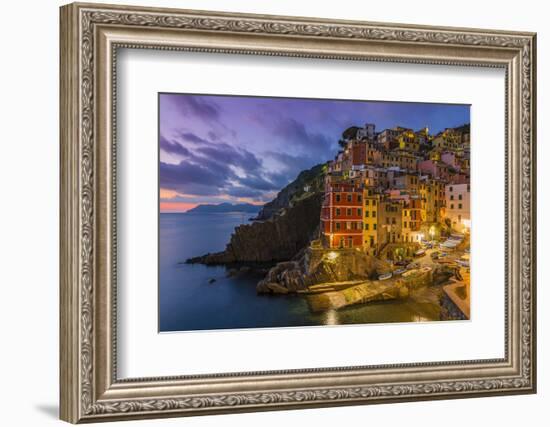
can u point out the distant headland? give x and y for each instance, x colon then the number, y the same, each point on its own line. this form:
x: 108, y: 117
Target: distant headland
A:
x: 225, y: 207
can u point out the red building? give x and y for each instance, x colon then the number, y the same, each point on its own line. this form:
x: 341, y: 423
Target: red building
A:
x: 342, y: 214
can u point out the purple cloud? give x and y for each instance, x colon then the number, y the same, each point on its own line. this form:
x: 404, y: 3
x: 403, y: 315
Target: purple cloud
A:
x: 196, y: 105
x: 172, y: 147
x: 241, y: 146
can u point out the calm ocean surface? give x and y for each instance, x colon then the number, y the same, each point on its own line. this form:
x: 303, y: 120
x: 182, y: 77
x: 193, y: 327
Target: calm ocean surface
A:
x: 189, y: 302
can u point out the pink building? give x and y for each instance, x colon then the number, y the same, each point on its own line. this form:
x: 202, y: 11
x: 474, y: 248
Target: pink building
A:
x: 451, y: 159
x: 434, y: 168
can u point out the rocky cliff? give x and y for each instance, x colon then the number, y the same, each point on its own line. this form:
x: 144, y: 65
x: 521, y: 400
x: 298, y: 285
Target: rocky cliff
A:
x: 308, y: 181
x: 278, y: 239
x: 284, y: 226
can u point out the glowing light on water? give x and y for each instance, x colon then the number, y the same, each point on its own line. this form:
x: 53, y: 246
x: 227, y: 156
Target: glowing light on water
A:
x: 332, y: 255
x: 331, y: 318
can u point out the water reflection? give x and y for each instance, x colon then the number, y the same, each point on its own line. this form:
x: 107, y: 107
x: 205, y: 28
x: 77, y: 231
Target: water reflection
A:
x: 331, y: 317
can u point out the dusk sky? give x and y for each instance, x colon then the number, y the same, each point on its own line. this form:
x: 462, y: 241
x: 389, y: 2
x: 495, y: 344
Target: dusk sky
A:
x: 216, y: 149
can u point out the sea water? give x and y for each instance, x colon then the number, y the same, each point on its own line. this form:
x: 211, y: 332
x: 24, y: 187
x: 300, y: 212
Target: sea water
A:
x: 190, y: 300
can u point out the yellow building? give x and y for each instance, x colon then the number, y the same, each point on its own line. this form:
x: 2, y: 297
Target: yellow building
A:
x: 432, y: 192
x: 408, y: 141
x: 371, y: 202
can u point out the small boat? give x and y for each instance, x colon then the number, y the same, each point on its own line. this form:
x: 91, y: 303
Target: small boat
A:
x: 399, y: 271
x: 420, y: 252
x: 425, y: 269
x: 385, y: 276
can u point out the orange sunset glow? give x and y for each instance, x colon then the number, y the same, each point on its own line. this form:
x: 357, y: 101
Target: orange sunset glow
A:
x: 176, y: 206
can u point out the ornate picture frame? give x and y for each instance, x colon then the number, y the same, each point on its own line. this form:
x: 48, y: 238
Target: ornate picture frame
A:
x: 90, y: 37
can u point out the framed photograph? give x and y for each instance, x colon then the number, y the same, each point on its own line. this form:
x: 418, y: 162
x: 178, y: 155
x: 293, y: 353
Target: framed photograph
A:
x: 266, y: 212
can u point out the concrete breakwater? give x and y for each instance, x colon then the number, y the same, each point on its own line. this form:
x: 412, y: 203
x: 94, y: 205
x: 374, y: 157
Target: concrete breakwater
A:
x: 367, y: 291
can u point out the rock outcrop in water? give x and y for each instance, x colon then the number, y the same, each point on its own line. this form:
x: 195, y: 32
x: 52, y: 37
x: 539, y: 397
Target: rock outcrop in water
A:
x: 313, y: 266
x: 277, y: 239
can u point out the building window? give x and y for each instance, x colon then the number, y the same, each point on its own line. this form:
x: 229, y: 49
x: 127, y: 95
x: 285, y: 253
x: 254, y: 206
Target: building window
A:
x: 452, y: 206
x: 337, y: 197
x: 450, y: 189
x: 374, y: 226
x: 359, y: 211
x: 452, y: 197
x: 348, y: 225
x: 337, y: 211
x: 374, y: 202
x: 366, y: 214
x: 366, y: 202
x: 359, y: 198
x: 349, y: 198
x: 405, y: 224
x: 366, y: 226
x: 338, y: 226
x: 348, y: 211
x: 460, y: 206
x: 393, y: 220
x: 460, y: 197
x: 374, y: 214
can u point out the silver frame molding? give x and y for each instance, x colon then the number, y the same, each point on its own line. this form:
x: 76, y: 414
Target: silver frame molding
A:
x: 90, y: 37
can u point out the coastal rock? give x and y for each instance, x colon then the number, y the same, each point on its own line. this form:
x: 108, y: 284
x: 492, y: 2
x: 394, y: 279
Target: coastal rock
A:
x: 277, y: 239
x: 287, y: 275
x: 276, y: 288
x: 314, y: 266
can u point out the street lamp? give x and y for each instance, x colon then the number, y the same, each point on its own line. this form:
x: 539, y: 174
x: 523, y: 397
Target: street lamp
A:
x: 432, y: 232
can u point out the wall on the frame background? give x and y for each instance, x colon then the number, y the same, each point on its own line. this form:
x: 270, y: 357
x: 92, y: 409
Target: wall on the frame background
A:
x: 29, y: 216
